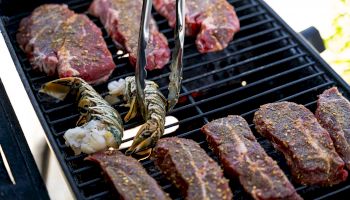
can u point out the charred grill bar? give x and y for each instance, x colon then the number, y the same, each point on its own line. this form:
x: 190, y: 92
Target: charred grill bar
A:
x: 266, y: 62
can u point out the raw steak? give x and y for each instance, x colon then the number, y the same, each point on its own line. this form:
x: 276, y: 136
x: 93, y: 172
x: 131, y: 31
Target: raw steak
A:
x: 214, y: 22
x: 59, y: 41
x: 128, y: 176
x: 241, y: 155
x: 187, y: 165
x: 121, y: 19
x: 333, y: 113
x: 307, y: 147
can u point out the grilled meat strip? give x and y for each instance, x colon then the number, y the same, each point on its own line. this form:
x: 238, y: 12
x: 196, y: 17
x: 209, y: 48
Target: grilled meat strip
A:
x: 241, y: 155
x: 128, y: 176
x: 188, y: 166
x: 59, y: 41
x: 307, y: 147
x: 121, y: 19
x: 333, y: 113
x: 214, y: 22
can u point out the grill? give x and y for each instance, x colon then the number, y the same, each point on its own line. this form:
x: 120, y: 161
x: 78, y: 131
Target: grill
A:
x: 266, y: 62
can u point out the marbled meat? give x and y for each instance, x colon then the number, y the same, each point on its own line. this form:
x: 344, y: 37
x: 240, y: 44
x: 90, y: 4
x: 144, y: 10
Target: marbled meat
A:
x: 128, y: 176
x: 333, y: 113
x: 213, y: 22
x: 59, y: 41
x: 307, y: 147
x: 188, y: 166
x: 122, y: 19
x: 241, y: 155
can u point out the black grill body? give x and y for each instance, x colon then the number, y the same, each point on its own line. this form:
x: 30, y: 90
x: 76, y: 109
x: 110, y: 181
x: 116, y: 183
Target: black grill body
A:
x: 266, y: 62
x: 28, y: 182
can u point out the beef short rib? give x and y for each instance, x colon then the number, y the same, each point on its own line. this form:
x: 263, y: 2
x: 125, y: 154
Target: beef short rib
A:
x: 128, y: 176
x: 187, y: 165
x: 333, y: 113
x: 214, y: 22
x: 241, y: 155
x: 307, y: 147
x: 59, y: 41
x: 121, y: 19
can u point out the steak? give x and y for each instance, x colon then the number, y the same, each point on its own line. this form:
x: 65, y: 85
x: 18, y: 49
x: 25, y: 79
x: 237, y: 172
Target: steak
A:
x: 241, y: 155
x: 128, y: 176
x: 214, y: 22
x: 121, y: 19
x: 307, y: 147
x: 333, y: 113
x: 59, y: 41
x: 187, y: 165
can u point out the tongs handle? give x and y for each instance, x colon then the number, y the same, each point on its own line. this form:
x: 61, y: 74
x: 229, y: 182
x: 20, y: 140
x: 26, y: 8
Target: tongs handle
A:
x: 140, y: 71
x: 176, y: 63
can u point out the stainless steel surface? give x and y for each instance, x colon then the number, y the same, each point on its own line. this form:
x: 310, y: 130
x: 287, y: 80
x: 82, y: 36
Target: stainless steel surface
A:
x: 7, y: 166
x: 176, y: 63
x: 56, y: 182
x: 140, y: 71
x: 130, y: 133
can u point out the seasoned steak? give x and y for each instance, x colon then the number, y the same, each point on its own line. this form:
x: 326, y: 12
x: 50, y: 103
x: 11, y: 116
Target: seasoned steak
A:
x: 59, y: 41
x: 214, y: 22
x: 241, y: 155
x: 307, y: 147
x: 122, y: 20
x: 187, y: 165
x: 333, y: 113
x: 128, y: 176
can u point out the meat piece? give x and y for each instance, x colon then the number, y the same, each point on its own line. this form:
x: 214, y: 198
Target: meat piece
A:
x: 187, y: 165
x: 59, y: 41
x: 121, y: 19
x: 307, y: 147
x: 214, y: 22
x: 241, y: 155
x: 333, y: 113
x: 128, y: 176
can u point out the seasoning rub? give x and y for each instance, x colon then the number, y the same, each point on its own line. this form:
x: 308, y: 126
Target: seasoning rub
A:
x: 128, y: 176
x: 307, y: 147
x: 333, y: 113
x: 241, y: 155
x: 188, y: 166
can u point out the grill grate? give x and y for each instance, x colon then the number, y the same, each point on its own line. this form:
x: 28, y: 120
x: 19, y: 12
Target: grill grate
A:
x: 266, y: 62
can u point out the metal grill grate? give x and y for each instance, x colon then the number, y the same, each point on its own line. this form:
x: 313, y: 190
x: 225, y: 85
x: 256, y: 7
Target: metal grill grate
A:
x: 266, y: 62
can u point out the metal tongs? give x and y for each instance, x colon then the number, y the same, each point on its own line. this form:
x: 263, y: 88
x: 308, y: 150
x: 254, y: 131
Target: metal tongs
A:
x: 175, y: 76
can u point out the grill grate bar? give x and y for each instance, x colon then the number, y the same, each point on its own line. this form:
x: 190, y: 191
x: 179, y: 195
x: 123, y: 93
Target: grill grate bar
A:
x: 252, y: 25
x: 67, y: 105
x: 234, y: 42
x: 240, y: 9
x: 57, y: 121
x: 229, y: 92
x: 235, y: 53
x: 259, y: 69
x: 98, y: 195
x: 230, y: 66
x: 293, y: 96
x: 186, y: 56
x: 213, y: 84
x: 329, y: 195
x: 245, y: 17
x: 84, y: 184
x: 75, y: 157
x: 250, y: 98
x: 82, y: 169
